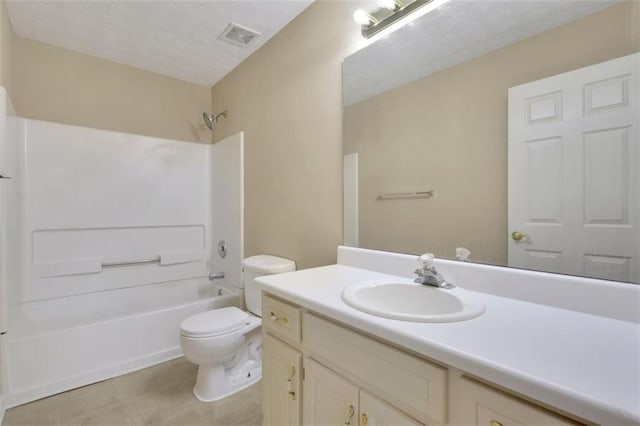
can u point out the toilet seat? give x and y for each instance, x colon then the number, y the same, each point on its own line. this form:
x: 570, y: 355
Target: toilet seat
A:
x: 214, y: 323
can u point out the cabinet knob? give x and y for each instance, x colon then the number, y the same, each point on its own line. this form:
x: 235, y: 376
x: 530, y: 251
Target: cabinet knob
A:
x: 277, y: 319
x: 364, y: 420
x: 352, y: 411
x: 292, y: 374
x: 495, y: 423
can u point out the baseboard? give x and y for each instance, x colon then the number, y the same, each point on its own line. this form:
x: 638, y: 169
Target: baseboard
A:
x: 24, y: 396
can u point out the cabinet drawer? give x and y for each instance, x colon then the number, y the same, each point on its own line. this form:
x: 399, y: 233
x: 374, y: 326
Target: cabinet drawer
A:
x: 483, y: 405
x: 281, y: 319
x: 413, y: 385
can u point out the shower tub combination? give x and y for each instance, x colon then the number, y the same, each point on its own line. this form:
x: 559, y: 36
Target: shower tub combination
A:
x: 110, y: 238
x: 73, y: 343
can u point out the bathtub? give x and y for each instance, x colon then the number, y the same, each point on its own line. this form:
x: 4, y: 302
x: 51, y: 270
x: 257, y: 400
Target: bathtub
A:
x: 53, y: 346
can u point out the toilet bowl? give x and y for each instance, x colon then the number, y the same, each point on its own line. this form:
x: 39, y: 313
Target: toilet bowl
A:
x: 226, y: 343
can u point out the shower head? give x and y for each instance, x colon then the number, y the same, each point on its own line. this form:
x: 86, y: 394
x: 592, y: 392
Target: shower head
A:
x: 209, y: 119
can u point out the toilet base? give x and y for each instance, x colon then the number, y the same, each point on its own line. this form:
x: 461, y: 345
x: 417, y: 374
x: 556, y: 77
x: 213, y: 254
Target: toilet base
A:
x: 217, y: 382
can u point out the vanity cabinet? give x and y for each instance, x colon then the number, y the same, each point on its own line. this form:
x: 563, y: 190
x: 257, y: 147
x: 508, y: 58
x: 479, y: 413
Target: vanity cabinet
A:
x: 416, y: 386
x: 332, y: 400
x: 320, y: 372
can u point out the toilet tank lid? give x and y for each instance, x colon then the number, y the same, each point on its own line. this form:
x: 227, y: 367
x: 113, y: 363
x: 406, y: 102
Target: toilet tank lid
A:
x: 267, y: 264
x: 216, y: 321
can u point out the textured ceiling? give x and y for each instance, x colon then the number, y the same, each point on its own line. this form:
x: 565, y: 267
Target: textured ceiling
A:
x: 456, y: 32
x: 174, y: 38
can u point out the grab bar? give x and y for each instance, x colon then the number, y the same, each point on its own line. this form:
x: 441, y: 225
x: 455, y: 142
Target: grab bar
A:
x: 93, y: 266
x: 216, y: 276
x: 130, y: 262
x: 400, y: 195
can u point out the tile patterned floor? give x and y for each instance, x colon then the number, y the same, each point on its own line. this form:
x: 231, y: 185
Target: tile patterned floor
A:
x: 160, y: 395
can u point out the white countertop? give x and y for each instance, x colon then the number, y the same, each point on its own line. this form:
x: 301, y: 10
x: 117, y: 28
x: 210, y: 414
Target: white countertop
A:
x: 580, y: 363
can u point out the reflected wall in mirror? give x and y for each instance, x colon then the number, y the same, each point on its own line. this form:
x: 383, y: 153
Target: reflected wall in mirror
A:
x: 521, y: 116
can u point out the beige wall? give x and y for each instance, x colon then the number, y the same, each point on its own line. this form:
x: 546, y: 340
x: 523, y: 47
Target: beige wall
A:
x: 448, y: 132
x: 287, y: 97
x: 6, y: 48
x: 635, y: 24
x: 55, y: 84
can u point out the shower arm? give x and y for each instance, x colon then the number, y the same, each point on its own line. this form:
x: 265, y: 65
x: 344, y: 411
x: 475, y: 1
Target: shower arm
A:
x: 211, y: 119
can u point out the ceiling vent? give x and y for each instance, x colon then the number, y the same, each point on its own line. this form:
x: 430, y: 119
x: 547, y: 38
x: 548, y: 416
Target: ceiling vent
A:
x: 239, y: 35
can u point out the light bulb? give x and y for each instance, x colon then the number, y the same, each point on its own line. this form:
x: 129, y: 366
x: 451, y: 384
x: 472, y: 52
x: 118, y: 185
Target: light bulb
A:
x: 387, y: 4
x: 362, y: 17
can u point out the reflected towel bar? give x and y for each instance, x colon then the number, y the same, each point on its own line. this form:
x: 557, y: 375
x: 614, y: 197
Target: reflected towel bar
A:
x: 131, y: 262
x: 406, y: 195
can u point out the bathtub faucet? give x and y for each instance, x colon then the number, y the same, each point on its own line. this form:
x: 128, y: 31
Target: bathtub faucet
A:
x: 216, y: 276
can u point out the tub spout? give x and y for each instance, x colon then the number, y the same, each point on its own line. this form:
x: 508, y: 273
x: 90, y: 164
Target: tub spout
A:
x: 216, y: 276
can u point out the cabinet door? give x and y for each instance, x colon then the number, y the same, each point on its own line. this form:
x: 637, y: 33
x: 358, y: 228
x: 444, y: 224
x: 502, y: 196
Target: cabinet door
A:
x: 375, y: 412
x: 328, y: 398
x: 282, y: 370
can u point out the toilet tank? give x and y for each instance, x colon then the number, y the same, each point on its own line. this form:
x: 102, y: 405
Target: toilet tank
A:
x: 257, y: 266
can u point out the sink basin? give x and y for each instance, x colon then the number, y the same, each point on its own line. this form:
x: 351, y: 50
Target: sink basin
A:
x: 413, y: 302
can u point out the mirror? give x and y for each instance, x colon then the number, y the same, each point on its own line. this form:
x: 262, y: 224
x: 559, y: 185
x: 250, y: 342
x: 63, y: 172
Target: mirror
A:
x: 506, y: 127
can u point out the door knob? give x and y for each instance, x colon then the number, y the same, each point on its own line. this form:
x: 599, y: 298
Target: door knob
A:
x: 519, y: 236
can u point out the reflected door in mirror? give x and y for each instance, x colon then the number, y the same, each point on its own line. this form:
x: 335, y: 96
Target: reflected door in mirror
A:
x: 576, y: 134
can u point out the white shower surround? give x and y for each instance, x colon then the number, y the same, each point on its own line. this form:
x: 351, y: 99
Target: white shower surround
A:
x: 80, y: 197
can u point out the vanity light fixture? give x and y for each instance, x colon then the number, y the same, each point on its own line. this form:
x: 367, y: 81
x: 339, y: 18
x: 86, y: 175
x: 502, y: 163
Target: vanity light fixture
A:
x: 363, y: 18
x: 391, y: 5
x: 392, y: 13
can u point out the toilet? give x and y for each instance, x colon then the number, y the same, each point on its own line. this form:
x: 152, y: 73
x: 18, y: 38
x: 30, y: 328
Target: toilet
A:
x: 226, y: 343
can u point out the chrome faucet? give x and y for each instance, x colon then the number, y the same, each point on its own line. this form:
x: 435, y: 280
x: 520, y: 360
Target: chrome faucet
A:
x: 216, y: 276
x: 427, y: 273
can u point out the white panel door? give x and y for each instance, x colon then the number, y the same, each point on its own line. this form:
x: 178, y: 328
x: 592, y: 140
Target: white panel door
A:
x: 573, y: 172
x: 328, y: 398
x: 281, y: 383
